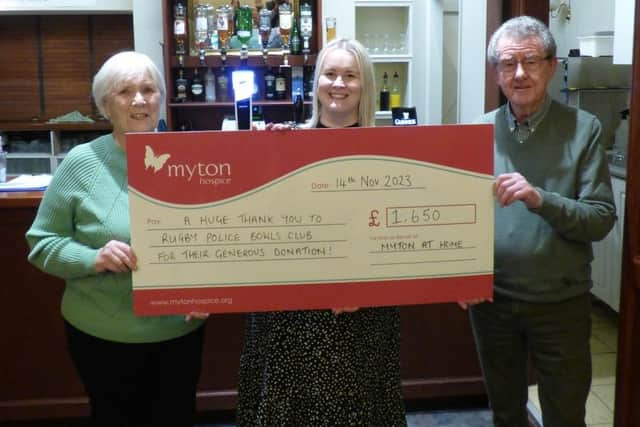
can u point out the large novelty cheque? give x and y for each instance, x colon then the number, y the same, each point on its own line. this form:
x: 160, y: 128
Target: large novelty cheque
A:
x: 308, y: 219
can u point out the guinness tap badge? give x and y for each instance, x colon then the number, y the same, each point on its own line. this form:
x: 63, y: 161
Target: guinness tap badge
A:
x: 404, y: 116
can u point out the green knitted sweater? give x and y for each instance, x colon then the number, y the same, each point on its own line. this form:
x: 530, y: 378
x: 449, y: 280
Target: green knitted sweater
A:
x: 86, y: 206
x: 544, y: 255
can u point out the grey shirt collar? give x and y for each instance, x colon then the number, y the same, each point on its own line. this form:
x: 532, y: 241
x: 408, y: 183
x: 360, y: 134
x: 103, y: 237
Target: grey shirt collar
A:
x: 523, y: 130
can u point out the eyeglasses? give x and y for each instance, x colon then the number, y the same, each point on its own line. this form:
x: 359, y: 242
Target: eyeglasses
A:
x: 531, y: 64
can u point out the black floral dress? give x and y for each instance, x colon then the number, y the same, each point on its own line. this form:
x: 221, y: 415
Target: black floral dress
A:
x: 315, y: 368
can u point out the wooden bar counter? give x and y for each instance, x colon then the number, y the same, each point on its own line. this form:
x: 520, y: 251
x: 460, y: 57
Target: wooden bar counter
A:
x: 38, y: 381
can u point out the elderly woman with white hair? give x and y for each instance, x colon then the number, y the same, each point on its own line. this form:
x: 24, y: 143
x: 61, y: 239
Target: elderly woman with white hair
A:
x: 136, y: 370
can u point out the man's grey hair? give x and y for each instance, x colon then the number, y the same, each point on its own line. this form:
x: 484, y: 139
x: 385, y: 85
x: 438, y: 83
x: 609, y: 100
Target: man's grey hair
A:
x: 521, y: 28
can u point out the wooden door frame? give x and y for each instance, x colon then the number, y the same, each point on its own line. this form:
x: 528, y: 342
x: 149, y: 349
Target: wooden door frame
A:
x: 627, y: 406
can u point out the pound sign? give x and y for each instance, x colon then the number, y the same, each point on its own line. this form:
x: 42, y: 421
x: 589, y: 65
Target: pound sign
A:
x: 373, y: 219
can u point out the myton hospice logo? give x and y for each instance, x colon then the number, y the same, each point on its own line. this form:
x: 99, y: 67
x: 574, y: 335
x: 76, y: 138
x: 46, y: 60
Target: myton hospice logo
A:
x: 206, y: 173
x: 151, y: 160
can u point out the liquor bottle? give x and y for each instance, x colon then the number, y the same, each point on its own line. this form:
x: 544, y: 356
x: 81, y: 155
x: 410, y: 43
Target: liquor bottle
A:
x: 296, y: 42
x: 297, y: 81
x: 202, y: 27
x: 269, y: 85
x: 3, y: 165
x: 223, y: 27
x: 256, y: 89
x: 330, y: 22
x: 244, y: 27
x: 212, y: 32
x: 285, y: 23
x: 181, y: 87
x: 298, y: 109
x: 235, y: 5
x: 306, y: 24
x: 222, y: 89
x: 210, y: 86
x: 308, y: 82
x: 306, y: 29
x: 180, y: 27
x: 257, y: 113
x: 384, y: 93
x: 196, y: 88
x: 394, y: 98
x: 265, y: 26
x: 281, y: 85
x: 232, y: 20
x: 185, y: 126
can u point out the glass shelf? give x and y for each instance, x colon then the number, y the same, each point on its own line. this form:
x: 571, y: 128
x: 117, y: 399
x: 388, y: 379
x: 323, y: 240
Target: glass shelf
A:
x: 384, y: 28
x: 391, y: 58
x: 40, y: 147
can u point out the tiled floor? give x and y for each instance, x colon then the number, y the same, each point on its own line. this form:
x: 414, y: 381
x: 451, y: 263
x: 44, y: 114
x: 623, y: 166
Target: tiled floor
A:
x: 604, y: 344
x: 453, y: 418
x: 458, y: 418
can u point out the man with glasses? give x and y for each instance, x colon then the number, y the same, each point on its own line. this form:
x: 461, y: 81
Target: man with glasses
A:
x: 553, y: 198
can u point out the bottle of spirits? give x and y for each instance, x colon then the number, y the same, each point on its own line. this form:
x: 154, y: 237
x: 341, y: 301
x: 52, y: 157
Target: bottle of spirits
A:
x: 330, y: 22
x: 244, y: 25
x: 202, y: 27
x: 223, y: 27
x: 180, y: 27
x: 232, y: 20
x: 269, y: 85
x: 196, y: 88
x: 308, y: 82
x: 210, y: 86
x: 297, y: 81
x: 184, y: 126
x: 256, y: 89
x: 212, y: 31
x: 284, y: 11
x: 235, y: 5
x: 395, y: 99
x: 384, y: 93
x: 181, y: 87
x: 306, y: 26
x: 296, y: 42
x: 222, y: 89
x: 3, y: 165
x: 256, y: 113
x: 298, y: 109
x: 281, y: 85
x: 265, y: 27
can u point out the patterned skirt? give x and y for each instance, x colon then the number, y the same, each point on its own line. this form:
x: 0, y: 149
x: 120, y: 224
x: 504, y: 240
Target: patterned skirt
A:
x: 315, y: 368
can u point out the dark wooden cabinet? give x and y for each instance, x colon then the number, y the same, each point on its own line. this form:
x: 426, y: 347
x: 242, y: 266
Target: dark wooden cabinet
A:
x: 37, y: 378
